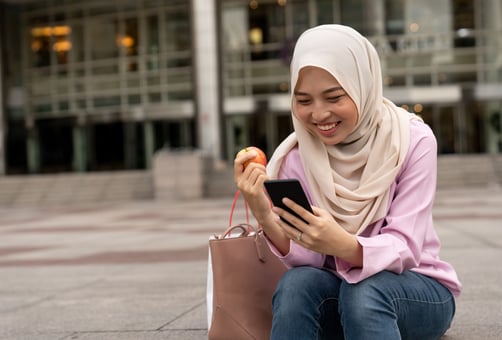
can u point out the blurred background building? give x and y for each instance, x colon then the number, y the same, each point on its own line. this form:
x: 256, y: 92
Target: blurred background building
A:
x: 101, y: 85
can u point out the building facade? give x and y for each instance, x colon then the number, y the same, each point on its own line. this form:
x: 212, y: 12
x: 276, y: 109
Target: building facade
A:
x: 101, y: 85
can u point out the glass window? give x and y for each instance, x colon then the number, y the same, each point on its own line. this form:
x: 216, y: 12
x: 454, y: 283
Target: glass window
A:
x: 175, y: 134
x: 394, y: 17
x: 106, y: 101
x: 151, y: 3
x: 152, y: 42
x: 129, y: 5
x: 35, y: 5
x: 325, y: 12
x: 266, y: 26
x: 300, y: 22
x: 154, y: 97
x: 41, y: 51
x: 61, y: 43
x: 129, y: 43
x: 59, y: 16
x: 81, y: 104
x: 77, y: 42
x: 40, y: 41
x: 42, y: 107
x: 446, y: 133
x: 104, y: 7
x: 463, y: 23
x: 105, y: 69
x: 178, y: 33
x: 76, y: 12
x: 353, y: 14
x: 103, y: 38
x: 134, y: 99
x: 130, y: 40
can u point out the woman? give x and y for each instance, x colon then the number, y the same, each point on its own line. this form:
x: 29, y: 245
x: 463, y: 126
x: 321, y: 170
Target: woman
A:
x: 366, y: 264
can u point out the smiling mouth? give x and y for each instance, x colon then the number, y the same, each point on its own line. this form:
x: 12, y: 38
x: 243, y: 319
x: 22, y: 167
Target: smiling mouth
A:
x: 328, y: 127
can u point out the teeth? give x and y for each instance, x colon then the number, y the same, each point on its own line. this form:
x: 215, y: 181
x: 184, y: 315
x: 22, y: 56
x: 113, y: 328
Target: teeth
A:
x: 327, y: 127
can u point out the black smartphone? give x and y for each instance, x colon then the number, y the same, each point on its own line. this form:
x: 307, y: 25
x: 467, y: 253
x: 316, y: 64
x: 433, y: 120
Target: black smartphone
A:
x: 291, y: 188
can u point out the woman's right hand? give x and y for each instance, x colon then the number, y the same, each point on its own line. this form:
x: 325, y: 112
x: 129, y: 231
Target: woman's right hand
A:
x: 249, y: 181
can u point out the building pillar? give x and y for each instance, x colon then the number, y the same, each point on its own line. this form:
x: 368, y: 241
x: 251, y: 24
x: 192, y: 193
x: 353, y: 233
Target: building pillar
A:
x: 32, y: 147
x: 79, y: 148
x: 130, y: 158
x: 492, y: 25
x: 149, y: 143
x: 375, y: 16
x: 489, y: 21
x: 2, y: 114
x: 206, y: 63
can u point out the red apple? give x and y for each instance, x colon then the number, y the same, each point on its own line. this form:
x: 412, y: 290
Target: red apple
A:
x: 260, y: 155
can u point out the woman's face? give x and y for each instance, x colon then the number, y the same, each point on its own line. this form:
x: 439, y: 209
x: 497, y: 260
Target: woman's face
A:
x: 323, y: 106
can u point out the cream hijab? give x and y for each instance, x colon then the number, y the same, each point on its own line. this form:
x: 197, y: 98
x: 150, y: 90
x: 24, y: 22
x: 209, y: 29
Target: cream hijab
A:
x: 352, y: 179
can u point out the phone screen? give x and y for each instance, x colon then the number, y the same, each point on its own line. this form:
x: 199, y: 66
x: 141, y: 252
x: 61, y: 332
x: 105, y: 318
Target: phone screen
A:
x: 277, y: 189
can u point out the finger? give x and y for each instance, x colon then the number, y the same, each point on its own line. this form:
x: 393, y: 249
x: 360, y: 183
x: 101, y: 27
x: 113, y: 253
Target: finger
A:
x: 298, y: 209
x: 240, y: 160
x: 244, y: 157
x: 289, y: 222
x: 256, y: 173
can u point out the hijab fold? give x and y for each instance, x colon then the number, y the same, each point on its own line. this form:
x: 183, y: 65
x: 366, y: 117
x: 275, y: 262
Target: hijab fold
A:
x: 352, y: 179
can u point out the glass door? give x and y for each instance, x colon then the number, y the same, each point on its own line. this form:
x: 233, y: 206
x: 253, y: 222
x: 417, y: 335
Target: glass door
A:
x: 458, y: 128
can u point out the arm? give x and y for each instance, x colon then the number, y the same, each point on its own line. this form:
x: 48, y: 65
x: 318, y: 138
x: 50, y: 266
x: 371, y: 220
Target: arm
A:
x: 396, y: 244
x: 250, y: 182
x: 296, y: 254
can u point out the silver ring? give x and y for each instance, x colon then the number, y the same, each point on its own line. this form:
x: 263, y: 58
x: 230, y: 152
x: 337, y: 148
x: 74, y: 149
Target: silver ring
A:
x: 299, y: 237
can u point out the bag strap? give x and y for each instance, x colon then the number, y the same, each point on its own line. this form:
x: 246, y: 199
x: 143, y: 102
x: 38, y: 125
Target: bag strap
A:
x: 236, y: 197
x: 245, y: 230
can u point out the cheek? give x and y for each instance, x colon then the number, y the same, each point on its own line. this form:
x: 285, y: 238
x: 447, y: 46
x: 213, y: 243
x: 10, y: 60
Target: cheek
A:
x: 350, y: 114
x: 301, y: 113
x: 354, y: 118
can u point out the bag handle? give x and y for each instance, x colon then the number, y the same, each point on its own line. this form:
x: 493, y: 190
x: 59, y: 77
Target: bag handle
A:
x: 236, y: 196
x: 245, y: 230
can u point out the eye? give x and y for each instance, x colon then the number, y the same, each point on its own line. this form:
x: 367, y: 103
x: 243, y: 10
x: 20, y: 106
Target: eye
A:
x: 334, y: 99
x: 303, y: 101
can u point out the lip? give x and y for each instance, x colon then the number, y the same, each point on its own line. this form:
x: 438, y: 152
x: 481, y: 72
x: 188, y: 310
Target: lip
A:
x: 327, y: 129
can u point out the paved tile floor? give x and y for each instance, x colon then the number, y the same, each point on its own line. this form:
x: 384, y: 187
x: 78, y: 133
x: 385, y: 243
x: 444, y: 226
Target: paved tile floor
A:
x: 137, y: 270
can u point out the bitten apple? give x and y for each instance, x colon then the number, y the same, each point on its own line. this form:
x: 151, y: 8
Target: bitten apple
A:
x: 260, y: 155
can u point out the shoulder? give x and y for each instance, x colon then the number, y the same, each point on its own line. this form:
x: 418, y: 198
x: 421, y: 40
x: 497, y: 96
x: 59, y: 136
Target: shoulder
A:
x: 422, y: 153
x: 291, y: 163
x: 422, y: 138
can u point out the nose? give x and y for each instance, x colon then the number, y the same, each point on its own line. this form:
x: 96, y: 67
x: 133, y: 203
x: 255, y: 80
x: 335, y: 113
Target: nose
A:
x: 320, y: 113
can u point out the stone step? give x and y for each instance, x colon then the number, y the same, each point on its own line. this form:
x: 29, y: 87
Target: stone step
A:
x: 454, y: 171
x: 469, y: 170
x: 72, y: 188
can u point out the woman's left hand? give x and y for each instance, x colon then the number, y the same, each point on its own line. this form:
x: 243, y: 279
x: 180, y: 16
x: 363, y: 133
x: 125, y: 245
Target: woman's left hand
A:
x: 320, y: 232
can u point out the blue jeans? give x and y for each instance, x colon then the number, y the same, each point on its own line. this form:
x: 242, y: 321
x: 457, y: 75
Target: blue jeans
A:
x: 312, y: 303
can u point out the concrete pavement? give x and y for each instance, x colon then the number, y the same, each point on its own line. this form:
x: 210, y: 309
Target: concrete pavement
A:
x: 137, y: 270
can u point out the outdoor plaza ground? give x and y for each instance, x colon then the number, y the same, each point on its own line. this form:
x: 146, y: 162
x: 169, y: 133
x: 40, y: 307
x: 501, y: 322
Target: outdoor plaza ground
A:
x: 137, y: 269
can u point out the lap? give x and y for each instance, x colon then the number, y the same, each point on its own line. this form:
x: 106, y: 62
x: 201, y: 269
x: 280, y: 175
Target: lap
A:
x: 406, y: 285
x: 411, y: 299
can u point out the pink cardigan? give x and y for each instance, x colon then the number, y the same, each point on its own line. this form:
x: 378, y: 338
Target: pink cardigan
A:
x: 405, y: 238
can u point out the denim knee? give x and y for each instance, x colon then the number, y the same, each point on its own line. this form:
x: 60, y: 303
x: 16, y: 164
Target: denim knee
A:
x: 303, y: 301
x: 358, y: 301
x: 394, y: 306
x: 295, y: 287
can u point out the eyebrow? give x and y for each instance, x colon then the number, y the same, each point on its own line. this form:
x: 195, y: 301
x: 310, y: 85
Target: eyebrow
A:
x: 332, y: 89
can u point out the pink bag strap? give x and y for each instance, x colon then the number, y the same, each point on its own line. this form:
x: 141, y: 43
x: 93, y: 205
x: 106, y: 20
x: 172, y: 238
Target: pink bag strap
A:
x: 236, y: 197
